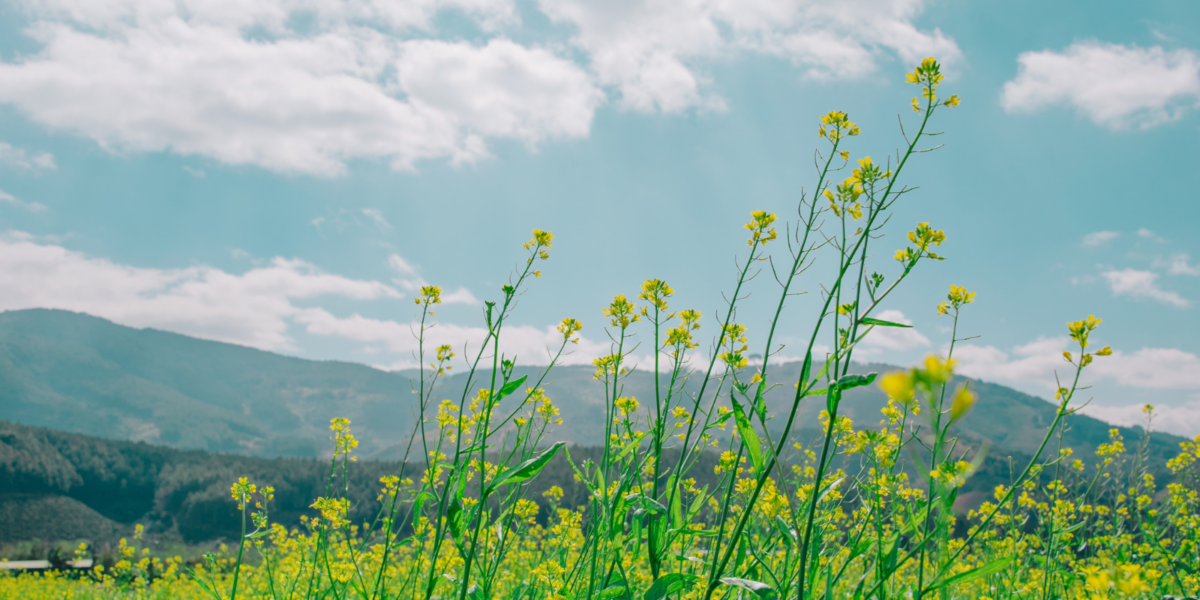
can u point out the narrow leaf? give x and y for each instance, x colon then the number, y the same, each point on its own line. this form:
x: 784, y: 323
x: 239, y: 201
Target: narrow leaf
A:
x: 853, y: 381
x: 526, y: 470
x: 880, y: 322
x: 993, y: 567
x: 668, y: 584
x: 749, y: 436
x: 509, y: 388
x: 758, y: 588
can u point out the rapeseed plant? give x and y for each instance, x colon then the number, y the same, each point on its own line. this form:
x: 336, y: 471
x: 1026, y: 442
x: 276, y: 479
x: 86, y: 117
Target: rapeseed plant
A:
x: 859, y: 512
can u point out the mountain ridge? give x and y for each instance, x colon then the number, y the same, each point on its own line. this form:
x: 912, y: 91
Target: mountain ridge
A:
x: 82, y: 374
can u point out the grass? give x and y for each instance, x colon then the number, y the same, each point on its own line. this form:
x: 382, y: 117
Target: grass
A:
x: 862, y: 512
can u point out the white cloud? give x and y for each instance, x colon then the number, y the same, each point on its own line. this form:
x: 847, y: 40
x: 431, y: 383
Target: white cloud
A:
x: 309, y: 85
x: 8, y: 198
x: 254, y: 308
x: 184, y: 77
x: 197, y: 173
x: 531, y: 345
x: 1141, y: 284
x: 653, y: 51
x: 1032, y: 362
x: 1099, y: 238
x: 1179, y: 265
x: 1035, y: 362
x: 1180, y: 420
x: 20, y: 158
x: 1114, y: 86
x: 377, y: 216
x: 891, y: 338
x: 408, y: 280
x: 1150, y: 235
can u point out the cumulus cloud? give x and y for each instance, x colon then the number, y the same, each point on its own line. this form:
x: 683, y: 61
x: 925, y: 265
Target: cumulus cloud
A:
x: 1115, y: 86
x: 408, y: 280
x: 308, y: 86
x: 1099, y: 238
x: 1141, y: 284
x: 256, y: 308
x: 1035, y: 362
x: 26, y: 160
x: 12, y: 200
x: 377, y: 216
x: 252, y: 309
x: 185, y: 77
x: 891, y: 338
x: 532, y: 345
x: 1179, y: 264
x: 1180, y: 420
x: 652, y: 52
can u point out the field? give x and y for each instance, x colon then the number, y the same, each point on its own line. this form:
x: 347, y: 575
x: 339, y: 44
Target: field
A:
x: 864, y: 510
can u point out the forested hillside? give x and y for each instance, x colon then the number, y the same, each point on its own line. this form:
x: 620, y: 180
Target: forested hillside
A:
x: 82, y: 374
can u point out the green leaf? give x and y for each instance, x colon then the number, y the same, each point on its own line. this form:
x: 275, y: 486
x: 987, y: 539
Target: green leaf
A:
x: 669, y: 584
x: 829, y: 488
x: 454, y: 518
x: 758, y: 588
x: 852, y: 381
x: 749, y: 436
x: 676, y: 504
x: 612, y: 591
x: 637, y: 439
x: 806, y: 369
x: 645, y: 503
x: 880, y: 322
x: 526, y: 470
x: 993, y: 567
x: 1070, y: 529
x: 509, y: 388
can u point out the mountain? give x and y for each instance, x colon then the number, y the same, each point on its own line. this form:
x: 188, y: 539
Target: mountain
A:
x: 82, y: 374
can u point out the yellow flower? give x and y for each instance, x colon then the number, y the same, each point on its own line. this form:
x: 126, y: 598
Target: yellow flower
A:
x: 1080, y: 329
x: 760, y: 228
x: 627, y: 404
x: 964, y: 399
x: 541, y: 239
x: 621, y: 312
x: 568, y: 327
x: 430, y: 294
x: 656, y: 292
x: 898, y: 385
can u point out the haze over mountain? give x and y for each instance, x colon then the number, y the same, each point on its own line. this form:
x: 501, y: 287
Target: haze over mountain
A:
x: 82, y: 374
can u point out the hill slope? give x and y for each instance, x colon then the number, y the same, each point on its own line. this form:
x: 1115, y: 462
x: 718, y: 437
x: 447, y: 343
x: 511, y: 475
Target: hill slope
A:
x: 83, y: 374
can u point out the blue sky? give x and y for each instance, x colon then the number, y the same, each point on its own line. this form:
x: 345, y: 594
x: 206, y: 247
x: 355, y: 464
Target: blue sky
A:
x: 281, y: 174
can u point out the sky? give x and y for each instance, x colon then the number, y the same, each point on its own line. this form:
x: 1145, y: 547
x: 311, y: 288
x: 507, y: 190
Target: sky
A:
x: 285, y: 174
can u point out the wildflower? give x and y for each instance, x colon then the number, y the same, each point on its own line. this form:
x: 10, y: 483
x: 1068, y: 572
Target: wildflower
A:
x: 540, y: 243
x: 760, y: 228
x: 656, y: 292
x: 554, y: 494
x: 430, y: 294
x: 964, y: 399
x: 898, y: 385
x: 835, y: 124
x: 569, y: 327
x: 957, y: 297
x: 343, y: 440
x: 333, y: 510
x: 241, y: 491
x: 621, y: 312
x: 627, y: 404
